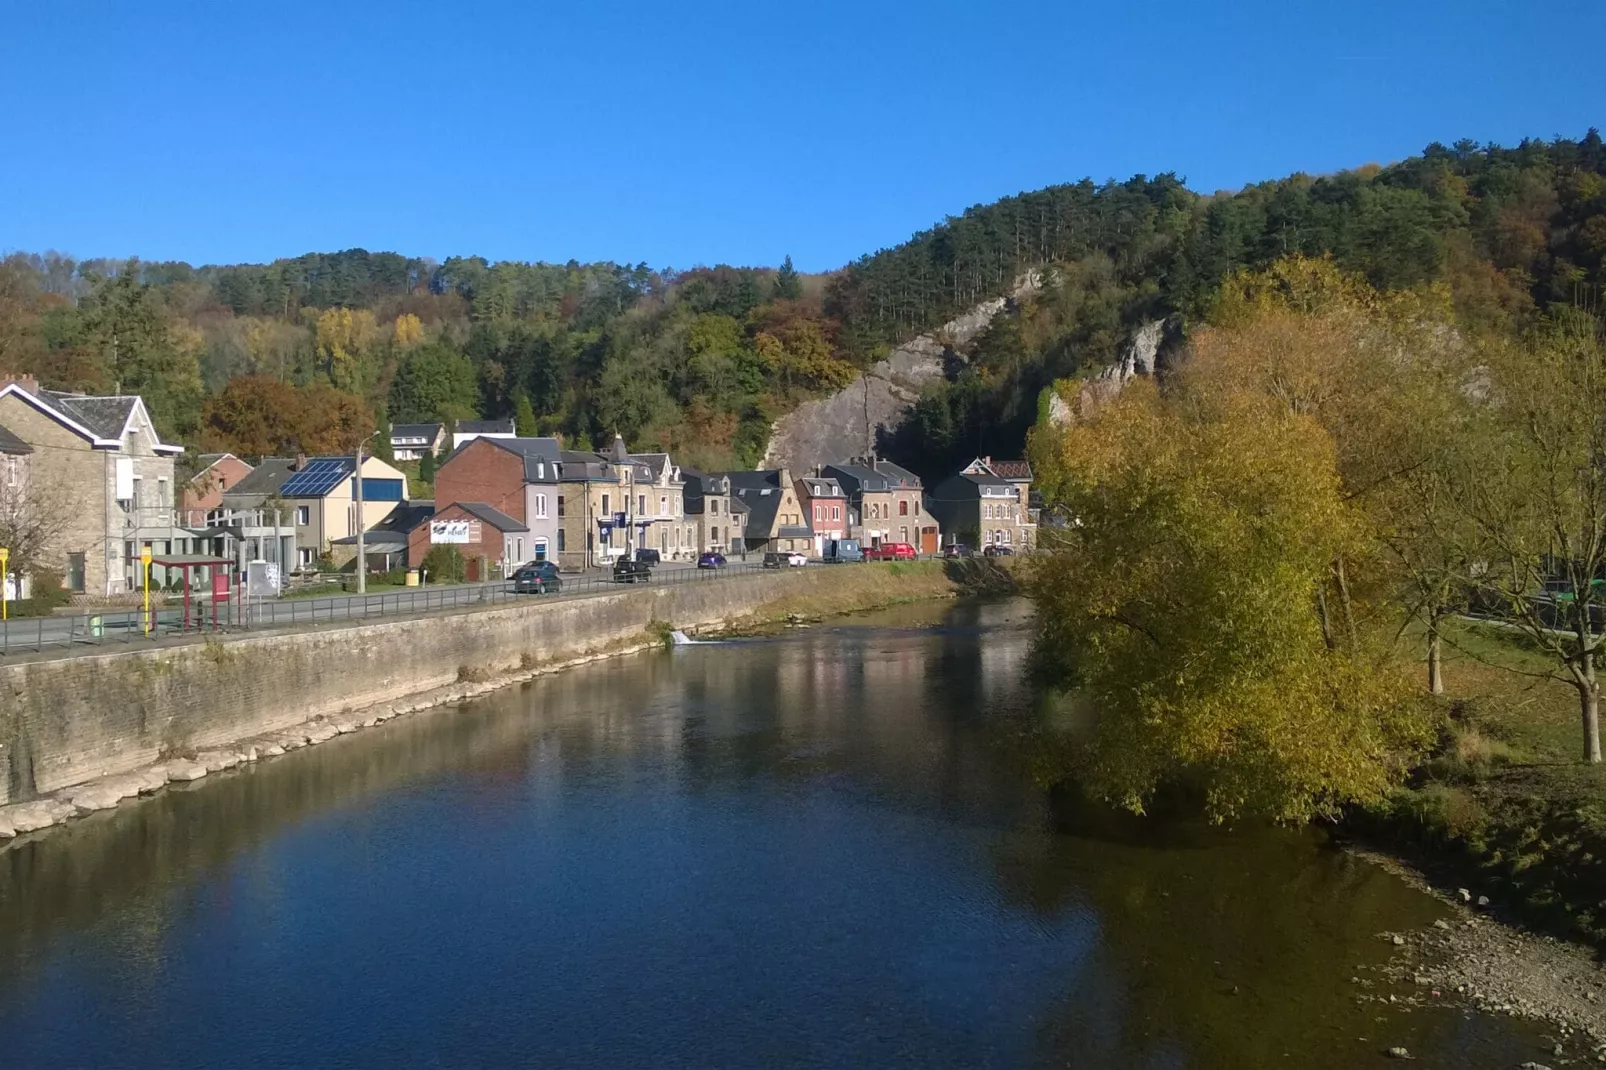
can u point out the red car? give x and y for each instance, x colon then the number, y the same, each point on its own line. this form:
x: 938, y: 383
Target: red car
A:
x: 890, y: 551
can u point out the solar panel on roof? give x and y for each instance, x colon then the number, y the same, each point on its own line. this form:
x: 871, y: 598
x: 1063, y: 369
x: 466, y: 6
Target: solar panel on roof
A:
x: 316, y: 479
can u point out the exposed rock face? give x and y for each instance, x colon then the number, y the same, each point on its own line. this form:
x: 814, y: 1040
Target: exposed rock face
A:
x: 1142, y: 356
x: 846, y: 423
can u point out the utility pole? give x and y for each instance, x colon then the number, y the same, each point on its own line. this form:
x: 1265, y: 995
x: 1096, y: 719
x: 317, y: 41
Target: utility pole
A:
x: 356, y: 495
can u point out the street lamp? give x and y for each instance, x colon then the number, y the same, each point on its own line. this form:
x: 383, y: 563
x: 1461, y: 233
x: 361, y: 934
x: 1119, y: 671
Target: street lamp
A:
x: 362, y: 549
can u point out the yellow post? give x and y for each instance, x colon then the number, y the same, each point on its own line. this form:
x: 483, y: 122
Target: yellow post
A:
x: 5, y: 598
x: 145, y: 567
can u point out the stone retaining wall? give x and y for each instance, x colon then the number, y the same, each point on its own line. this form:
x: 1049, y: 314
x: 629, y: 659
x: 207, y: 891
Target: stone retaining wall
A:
x: 67, y: 720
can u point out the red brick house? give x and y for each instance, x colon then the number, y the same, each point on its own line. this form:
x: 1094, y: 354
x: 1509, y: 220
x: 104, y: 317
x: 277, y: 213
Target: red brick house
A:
x: 203, y: 494
x: 491, y: 542
x: 825, y: 508
x: 516, y: 477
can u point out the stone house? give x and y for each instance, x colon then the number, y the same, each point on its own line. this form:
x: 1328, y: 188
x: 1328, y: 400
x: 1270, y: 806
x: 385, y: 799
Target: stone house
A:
x: 101, y: 479
x: 981, y: 508
x: 717, y: 520
x: 1018, y: 474
x: 660, y: 509
x: 775, y: 518
x: 869, y: 499
x: 518, y: 477
x: 908, y: 519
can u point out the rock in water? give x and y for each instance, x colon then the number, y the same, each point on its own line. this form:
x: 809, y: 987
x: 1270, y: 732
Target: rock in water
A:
x: 1398, y: 1053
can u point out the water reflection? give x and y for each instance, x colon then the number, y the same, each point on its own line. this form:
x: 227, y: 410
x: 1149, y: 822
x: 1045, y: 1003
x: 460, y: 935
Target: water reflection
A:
x: 810, y: 850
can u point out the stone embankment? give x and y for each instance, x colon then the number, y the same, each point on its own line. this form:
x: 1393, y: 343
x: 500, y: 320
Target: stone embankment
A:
x: 81, y: 734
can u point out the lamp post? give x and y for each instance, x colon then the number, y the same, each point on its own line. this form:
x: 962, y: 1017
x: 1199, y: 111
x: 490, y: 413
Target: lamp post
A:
x: 356, y: 497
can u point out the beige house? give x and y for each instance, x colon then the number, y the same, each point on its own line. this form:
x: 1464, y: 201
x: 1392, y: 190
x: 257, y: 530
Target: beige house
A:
x: 320, y: 494
x: 660, y: 509
x: 718, y: 518
x: 100, y: 482
x: 612, y: 504
x: 775, y: 518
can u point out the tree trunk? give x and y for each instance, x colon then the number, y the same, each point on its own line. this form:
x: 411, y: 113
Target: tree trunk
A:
x: 1321, y: 613
x: 1435, y: 662
x: 1589, y: 705
x: 1349, y: 611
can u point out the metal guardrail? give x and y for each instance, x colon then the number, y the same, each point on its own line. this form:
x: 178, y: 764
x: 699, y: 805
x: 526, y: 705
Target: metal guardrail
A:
x: 37, y: 634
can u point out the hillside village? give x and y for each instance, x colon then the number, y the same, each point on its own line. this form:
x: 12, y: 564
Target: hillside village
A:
x: 90, y: 484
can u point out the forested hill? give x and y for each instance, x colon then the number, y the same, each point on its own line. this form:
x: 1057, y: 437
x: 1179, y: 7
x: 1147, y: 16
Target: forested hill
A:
x: 312, y: 351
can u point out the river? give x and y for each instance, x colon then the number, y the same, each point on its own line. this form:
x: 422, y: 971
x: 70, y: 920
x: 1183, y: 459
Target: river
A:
x: 816, y: 849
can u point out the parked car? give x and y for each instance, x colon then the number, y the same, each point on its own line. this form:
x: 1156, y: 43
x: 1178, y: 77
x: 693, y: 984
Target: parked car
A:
x: 711, y: 559
x: 649, y: 556
x: 842, y: 551
x: 996, y: 550
x: 956, y: 550
x: 796, y: 560
x: 539, y: 577
x: 774, y: 560
x: 890, y: 551
x: 627, y: 571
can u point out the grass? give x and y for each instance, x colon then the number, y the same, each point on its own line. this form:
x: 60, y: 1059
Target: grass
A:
x: 1505, y: 803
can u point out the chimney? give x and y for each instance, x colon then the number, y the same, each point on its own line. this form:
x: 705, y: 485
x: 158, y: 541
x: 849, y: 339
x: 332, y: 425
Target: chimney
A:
x: 26, y: 382
x: 301, y: 462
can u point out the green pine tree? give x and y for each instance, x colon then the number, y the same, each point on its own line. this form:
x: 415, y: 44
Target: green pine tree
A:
x: 788, y: 284
x: 524, y: 416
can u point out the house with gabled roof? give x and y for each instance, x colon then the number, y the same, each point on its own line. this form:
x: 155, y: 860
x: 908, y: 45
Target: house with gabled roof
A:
x: 409, y: 442
x: 515, y: 476
x: 774, y: 515
x: 102, y: 472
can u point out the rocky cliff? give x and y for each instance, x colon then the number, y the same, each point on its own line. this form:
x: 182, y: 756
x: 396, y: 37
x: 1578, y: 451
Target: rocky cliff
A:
x: 845, y: 424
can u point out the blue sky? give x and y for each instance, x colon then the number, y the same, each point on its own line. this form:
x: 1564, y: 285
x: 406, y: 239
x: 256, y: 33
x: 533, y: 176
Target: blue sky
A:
x: 699, y: 133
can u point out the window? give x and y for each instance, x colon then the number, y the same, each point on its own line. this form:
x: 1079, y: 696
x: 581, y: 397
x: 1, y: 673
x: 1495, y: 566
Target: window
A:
x: 903, y: 506
x: 987, y: 510
x: 819, y: 512
x: 560, y: 505
x: 641, y: 505
x: 304, y: 556
x: 540, y: 506
x: 663, y: 505
x: 713, y: 507
x: 540, y: 547
x: 303, y: 515
x: 11, y: 471
x: 836, y: 512
x: 917, y: 507
x: 903, y: 534
x: 605, y: 508
x: 75, y: 571
x: 560, y: 538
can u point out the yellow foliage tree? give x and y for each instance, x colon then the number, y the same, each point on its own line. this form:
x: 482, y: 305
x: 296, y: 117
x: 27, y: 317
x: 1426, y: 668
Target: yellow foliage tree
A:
x: 1183, y: 603
x: 345, y: 339
x: 407, y: 331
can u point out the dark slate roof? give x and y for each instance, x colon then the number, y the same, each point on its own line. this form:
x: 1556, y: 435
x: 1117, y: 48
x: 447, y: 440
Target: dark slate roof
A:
x: 485, y: 427
x: 427, y: 432
x: 542, y: 451
x: 105, y: 417
x: 10, y: 443
x: 265, y: 479
x: 494, y: 517
x: 406, y: 516
x: 822, y: 486
x: 856, y: 479
x: 761, y: 493
x: 897, y: 475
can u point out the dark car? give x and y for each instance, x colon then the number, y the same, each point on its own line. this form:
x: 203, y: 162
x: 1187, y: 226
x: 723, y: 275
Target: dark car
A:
x: 956, y: 550
x: 627, y: 571
x: 774, y: 560
x: 711, y: 560
x: 539, y: 578
x: 649, y: 556
x: 996, y: 550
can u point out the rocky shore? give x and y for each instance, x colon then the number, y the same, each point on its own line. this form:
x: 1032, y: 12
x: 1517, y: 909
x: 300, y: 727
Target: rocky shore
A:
x: 1475, y: 958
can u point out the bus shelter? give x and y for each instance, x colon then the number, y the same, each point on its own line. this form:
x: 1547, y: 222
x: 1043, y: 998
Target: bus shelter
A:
x: 217, y: 571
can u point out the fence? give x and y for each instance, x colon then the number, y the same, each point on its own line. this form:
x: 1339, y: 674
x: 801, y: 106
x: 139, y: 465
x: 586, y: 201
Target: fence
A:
x: 35, y: 634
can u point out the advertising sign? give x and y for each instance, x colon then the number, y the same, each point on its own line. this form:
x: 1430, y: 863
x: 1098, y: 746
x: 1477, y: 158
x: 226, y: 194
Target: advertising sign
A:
x: 454, y: 531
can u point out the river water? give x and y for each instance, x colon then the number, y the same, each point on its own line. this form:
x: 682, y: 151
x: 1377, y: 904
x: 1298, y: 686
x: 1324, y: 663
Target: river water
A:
x: 816, y: 849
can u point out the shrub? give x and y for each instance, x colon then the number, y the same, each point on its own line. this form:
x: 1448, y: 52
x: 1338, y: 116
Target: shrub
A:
x: 444, y: 564
x: 48, y: 591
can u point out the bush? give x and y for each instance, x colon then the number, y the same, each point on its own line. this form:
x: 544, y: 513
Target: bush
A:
x: 444, y: 564
x: 48, y: 591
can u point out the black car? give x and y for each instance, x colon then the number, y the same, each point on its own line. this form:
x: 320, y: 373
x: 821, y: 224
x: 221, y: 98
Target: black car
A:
x: 774, y: 560
x: 648, y: 556
x: 539, y: 578
x: 996, y: 550
x: 627, y: 571
x: 956, y: 550
x: 711, y: 560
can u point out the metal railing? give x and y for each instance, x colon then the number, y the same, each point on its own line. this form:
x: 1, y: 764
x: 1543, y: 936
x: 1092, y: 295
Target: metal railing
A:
x: 88, y: 630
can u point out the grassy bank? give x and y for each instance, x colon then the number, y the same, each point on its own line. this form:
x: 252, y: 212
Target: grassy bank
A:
x: 877, y: 586
x: 1505, y: 807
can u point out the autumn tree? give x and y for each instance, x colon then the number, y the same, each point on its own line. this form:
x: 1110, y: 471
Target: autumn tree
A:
x: 346, y: 340
x: 256, y: 416
x: 1534, y: 485
x: 1183, y: 604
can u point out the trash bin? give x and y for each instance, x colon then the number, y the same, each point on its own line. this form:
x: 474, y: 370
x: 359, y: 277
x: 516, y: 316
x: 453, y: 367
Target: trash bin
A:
x: 412, y: 577
x: 97, y: 627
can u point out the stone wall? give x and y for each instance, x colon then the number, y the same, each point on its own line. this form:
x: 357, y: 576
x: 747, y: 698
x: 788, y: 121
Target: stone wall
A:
x: 69, y: 719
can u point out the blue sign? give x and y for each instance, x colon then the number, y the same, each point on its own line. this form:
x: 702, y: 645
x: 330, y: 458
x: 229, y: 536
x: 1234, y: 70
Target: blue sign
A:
x: 619, y: 520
